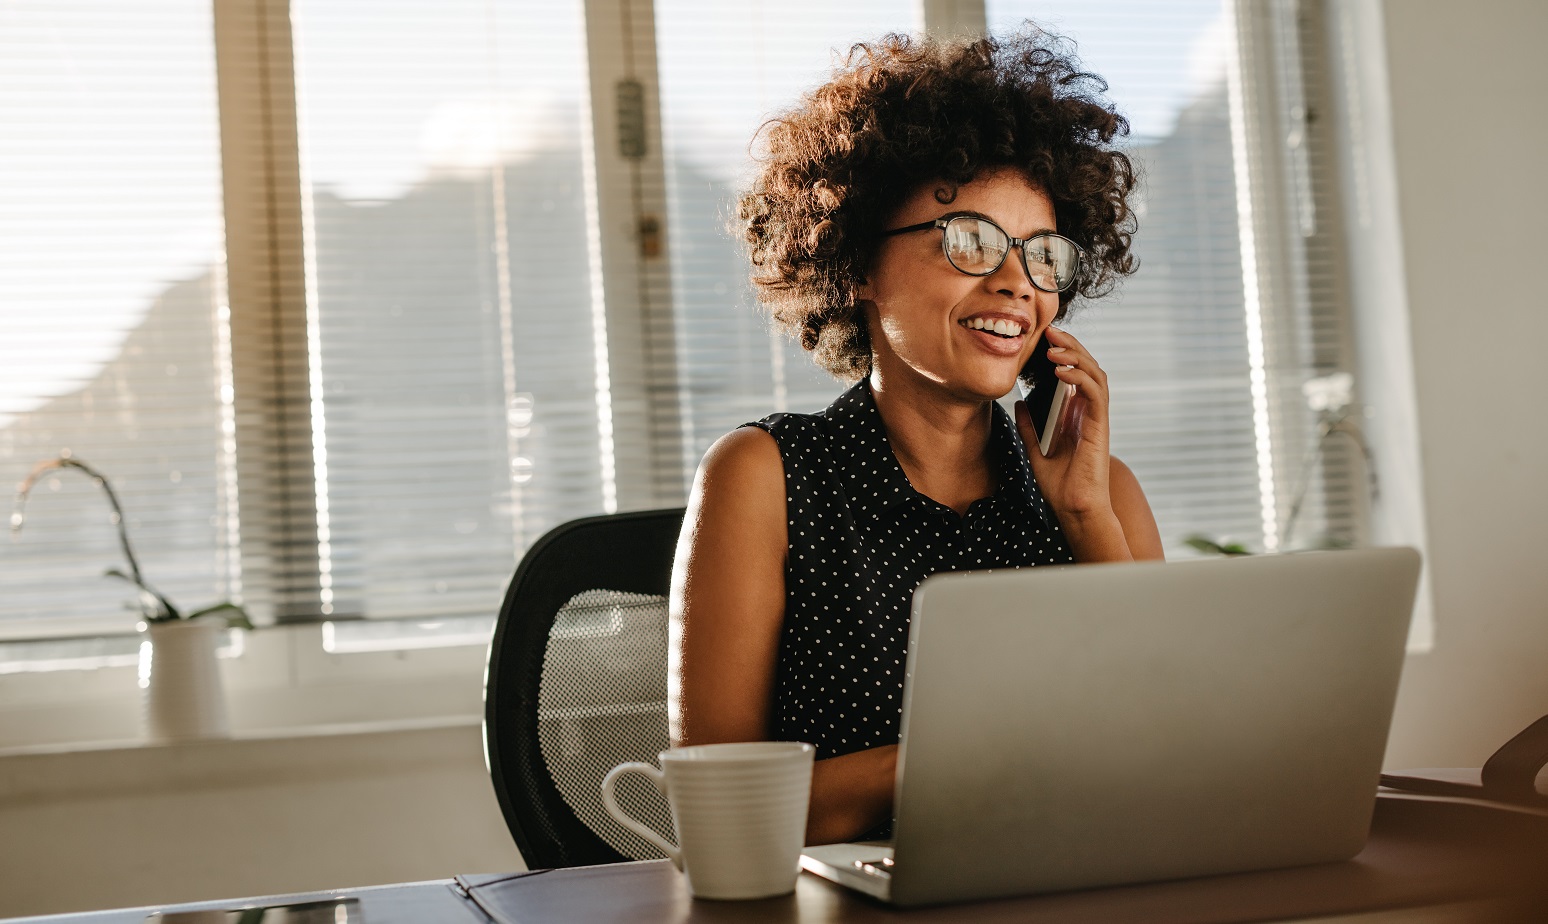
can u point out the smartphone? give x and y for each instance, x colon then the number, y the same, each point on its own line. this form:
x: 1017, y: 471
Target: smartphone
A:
x: 1050, y: 401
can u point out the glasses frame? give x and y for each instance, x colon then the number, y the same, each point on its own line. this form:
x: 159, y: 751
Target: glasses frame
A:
x: 1016, y: 243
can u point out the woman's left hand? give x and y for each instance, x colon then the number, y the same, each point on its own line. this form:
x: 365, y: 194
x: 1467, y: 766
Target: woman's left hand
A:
x: 1074, y: 477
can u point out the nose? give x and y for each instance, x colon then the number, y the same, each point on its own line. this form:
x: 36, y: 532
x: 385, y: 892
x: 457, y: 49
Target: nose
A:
x: 1012, y: 279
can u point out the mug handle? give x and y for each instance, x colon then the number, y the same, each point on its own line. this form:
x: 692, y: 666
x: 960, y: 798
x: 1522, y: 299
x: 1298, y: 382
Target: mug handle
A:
x: 610, y: 802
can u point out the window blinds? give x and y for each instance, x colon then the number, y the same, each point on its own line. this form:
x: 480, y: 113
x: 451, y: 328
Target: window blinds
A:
x: 724, y: 69
x: 1173, y: 338
x: 110, y: 307
x: 436, y: 358
x: 1176, y: 338
x: 441, y: 150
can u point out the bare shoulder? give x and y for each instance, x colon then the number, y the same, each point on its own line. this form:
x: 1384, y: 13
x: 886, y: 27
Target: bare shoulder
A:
x: 1133, y: 510
x: 746, y: 457
x: 739, y: 495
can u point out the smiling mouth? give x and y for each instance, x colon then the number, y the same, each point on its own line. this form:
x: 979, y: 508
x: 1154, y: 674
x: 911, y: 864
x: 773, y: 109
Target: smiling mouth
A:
x: 1007, y: 330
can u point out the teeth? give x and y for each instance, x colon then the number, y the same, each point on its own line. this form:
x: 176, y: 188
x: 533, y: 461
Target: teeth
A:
x: 999, y: 326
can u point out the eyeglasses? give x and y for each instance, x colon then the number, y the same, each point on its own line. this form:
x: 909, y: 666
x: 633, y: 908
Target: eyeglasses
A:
x: 977, y: 246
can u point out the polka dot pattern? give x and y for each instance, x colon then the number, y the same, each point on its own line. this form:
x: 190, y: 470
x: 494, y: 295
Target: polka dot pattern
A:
x: 861, y: 540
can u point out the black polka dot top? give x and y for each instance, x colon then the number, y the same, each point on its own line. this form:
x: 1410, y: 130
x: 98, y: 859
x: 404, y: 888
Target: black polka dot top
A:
x: 861, y: 540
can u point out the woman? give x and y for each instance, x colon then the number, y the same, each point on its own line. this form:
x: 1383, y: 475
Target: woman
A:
x: 807, y: 534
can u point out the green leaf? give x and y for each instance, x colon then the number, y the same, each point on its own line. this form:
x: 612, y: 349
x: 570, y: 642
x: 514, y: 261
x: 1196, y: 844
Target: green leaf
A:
x: 1210, y: 546
x: 236, y: 618
x: 153, y: 606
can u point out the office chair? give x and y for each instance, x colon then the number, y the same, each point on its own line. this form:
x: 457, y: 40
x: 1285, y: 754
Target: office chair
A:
x: 576, y: 684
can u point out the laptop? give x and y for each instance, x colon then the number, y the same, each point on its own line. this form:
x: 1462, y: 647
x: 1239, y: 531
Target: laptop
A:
x: 1096, y: 725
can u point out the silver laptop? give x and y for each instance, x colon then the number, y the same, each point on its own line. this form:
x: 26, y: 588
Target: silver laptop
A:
x: 1084, y: 726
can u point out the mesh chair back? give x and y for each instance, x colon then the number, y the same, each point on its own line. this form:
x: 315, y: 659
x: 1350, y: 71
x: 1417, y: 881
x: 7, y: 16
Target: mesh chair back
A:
x: 576, y: 684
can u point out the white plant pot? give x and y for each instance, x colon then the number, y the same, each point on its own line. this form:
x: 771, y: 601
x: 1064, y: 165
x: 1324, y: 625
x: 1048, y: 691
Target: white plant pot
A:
x: 180, y: 680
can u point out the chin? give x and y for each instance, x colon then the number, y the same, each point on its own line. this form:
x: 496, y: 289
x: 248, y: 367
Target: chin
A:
x: 986, y: 388
x: 997, y: 385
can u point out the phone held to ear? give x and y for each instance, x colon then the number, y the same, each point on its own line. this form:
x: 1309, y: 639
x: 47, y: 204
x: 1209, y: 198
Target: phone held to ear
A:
x: 1049, y: 401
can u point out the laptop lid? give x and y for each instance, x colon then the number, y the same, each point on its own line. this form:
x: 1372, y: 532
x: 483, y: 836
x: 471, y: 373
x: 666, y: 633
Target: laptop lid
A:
x: 1093, y: 725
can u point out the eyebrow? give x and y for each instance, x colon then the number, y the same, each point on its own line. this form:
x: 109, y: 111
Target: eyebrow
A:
x: 970, y: 213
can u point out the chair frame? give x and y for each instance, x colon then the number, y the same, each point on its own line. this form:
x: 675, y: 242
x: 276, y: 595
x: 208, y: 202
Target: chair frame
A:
x: 626, y: 552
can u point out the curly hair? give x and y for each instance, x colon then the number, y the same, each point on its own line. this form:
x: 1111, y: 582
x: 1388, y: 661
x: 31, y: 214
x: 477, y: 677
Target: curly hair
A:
x: 903, y: 112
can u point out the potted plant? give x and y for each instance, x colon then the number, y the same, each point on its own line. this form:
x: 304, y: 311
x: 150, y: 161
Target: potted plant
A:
x: 179, y: 675
x: 1332, y: 398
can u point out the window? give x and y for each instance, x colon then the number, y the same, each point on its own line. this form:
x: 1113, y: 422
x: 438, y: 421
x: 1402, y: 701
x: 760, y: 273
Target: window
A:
x: 480, y: 281
x: 111, y: 307
x: 441, y: 146
x: 1236, y: 303
x: 725, y: 68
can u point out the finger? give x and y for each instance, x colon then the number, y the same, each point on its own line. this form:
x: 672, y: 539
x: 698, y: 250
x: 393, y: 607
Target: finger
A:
x: 1062, y: 338
x: 1031, y: 439
x: 1074, y: 354
x: 1081, y: 358
x: 1094, y: 392
x: 1066, y: 357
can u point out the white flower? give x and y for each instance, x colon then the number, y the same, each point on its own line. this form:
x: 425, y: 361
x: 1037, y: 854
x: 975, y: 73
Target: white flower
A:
x: 1331, y: 393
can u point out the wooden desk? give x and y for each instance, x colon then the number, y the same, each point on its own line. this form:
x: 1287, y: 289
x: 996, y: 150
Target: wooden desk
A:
x: 1427, y: 861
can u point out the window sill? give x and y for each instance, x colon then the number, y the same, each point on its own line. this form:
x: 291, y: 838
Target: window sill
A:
x: 242, y: 739
x: 41, y: 773
x: 284, y: 685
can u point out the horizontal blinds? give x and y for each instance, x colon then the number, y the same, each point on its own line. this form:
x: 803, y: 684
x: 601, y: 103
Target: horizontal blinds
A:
x: 724, y: 69
x: 1330, y: 480
x: 441, y: 151
x: 1174, y: 338
x: 436, y: 363
x: 110, y: 349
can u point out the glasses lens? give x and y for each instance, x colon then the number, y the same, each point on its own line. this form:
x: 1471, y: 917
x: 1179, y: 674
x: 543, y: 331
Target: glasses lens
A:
x: 975, y: 246
x: 1051, y: 261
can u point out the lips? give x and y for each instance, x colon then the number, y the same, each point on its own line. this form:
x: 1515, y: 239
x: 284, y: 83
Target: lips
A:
x: 999, y: 326
x: 1002, y: 345
x: 997, y: 333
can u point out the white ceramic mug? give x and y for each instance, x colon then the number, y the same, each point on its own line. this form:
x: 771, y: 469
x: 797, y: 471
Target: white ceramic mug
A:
x: 739, y: 811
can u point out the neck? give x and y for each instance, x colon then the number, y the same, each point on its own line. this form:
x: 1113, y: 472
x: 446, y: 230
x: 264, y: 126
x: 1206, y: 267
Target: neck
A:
x: 940, y: 440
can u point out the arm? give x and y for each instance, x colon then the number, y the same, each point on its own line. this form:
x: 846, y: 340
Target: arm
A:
x: 1135, y: 523
x: 1133, y: 512
x: 728, y: 608
x: 1126, y: 531
x: 1100, y: 505
x: 728, y: 594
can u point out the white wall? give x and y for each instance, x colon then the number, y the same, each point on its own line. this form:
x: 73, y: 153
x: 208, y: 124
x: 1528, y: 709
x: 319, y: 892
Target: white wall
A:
x: 1470, y: 130
x: 344, y: 769
x: 153, y: 824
